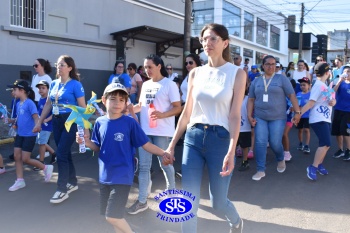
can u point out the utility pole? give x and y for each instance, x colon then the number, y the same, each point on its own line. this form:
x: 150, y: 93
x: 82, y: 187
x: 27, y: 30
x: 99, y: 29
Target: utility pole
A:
x: 346, y: 46
x: 187, y: 30
x: 301, y: 31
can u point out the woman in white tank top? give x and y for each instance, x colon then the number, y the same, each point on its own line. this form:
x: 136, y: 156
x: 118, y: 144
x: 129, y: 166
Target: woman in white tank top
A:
x: 211, y: 119
x: 300, y: 73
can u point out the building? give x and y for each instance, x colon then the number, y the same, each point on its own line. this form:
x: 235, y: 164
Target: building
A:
x: 92, y: 35
x: 309, y: 40
x: 338, y: 45
x: 254, y: 29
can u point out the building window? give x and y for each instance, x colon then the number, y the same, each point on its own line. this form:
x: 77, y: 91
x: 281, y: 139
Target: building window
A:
x: 248, y: 26
x: 259, y: 57
x: 275, y: 37
x: 261, y: 32
x: 234, y: 50
x: 247, y: 53
x: 203, y: 14
x: 231, y: 18
x: 28, y: 14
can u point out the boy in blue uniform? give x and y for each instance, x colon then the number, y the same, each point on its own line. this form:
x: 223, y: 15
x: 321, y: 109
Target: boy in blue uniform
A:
x: 115, y: 136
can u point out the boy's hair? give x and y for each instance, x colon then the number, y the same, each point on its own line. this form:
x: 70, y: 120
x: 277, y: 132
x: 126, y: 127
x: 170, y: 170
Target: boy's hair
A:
x: 115, y: 93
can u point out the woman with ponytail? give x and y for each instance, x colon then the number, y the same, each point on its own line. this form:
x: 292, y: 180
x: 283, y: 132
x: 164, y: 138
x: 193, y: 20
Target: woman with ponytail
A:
x: 42, y: 68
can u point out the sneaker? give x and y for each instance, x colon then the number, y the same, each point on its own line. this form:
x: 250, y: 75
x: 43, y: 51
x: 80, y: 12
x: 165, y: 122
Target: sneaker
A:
x: 149, y: 188
x: 36, y: 168
x: 281, y: 166
x: 338, y: 154
x: 71, y: 188
x: 53, y: 158
x: 48, y: 172
x: 250, y: 154
x: 311, y: 172
x: 238, y: 229
x: 347, y: 155
x: 17, y: 185
x: 137, y: 207
x: 322, y: 170
x: 58, y: 197
x: 300, y: 147
x: 238, y: 152
x: 244, y: 166
x: 47, y: 154
x: 306, y: 149
x: 2, y: 170
x: 287, y: 156
x: 258, y: 176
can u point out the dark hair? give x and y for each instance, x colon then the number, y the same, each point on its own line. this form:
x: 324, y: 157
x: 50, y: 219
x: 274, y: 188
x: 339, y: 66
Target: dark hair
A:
x: 45, y: 64
x: 339, y: 59
x: 133, y: 66
x: 116, y: 64
x: 117, y: 92
x: 305, y: 64
x: 288, y: 67
x: 247, y: 59
x: 157, y: 60
x: 29, y: 92
x: 195, y: 58
x: 73, y: 74
x: 267, y: 57
x: 221, y: 31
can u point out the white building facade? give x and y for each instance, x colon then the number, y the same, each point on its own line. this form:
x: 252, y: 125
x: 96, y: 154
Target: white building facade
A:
x: 254, y: 29
x: 337, y: 43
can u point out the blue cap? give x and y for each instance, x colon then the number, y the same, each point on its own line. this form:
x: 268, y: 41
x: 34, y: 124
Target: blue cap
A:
x: 254, y: 67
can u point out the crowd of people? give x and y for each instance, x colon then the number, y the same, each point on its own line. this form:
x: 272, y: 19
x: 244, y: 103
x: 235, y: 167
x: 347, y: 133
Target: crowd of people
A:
x: 221, y: 110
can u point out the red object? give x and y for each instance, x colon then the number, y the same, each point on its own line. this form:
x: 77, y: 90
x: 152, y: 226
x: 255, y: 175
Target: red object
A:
x: 152, y: 123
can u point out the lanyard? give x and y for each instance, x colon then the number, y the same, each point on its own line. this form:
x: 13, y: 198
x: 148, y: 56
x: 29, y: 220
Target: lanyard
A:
x: 60, y: 89
x: 266, y: 86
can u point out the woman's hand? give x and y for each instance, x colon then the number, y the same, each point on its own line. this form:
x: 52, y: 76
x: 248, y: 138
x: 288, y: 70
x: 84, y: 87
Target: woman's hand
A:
x: 252, y: 121
x: 156, y: 115
x: 37, y: 128
x: 296, y: 119
x: 168, y: 157
x: 332, y: 102
x: 227, y: 165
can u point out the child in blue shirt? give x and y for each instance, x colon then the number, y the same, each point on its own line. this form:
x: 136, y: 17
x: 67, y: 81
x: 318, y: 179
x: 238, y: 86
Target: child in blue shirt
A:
x: 303, y: 125
x: 27, y: 115
x: 115, y: 136
x: 46, y: 127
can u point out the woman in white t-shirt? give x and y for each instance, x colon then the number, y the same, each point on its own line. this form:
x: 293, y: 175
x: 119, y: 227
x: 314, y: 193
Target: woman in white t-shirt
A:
x: 192, y: 61
x: 136, y: 83
x: 43, y: 68
x: 320, y: 103
x: 300, y: 73
x: 161, y: 95
x: 211, y: 119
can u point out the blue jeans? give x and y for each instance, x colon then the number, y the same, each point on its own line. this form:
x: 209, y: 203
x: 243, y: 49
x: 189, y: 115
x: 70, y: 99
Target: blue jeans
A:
x: 207, y: 145
x: 272, y: 132
x: 133, y: 98
x: 145, y: 163
x: 64, y: 141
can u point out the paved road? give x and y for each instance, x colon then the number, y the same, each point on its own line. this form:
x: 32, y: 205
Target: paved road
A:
x: 287, y: 202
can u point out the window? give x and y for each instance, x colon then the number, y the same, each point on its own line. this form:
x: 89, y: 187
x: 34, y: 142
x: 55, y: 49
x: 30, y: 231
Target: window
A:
x: 203, y: 14
x: 261, y: 32
x: 231, y: 18
x: 259, y: 57
x: 28, y: 13
x: 248, y: 26
x: 275, y: 37
x: 234, y: 50
x: 247, y: 53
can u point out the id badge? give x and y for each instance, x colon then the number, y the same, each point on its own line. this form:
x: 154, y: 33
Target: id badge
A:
x: 55, y: 110
x: 265, y: 98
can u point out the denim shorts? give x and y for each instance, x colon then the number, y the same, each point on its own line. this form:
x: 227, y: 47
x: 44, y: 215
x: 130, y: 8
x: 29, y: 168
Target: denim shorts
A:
x: 43, y: 137
x: 25, y: 143
x: 113, y: 199
x: 323, y: 132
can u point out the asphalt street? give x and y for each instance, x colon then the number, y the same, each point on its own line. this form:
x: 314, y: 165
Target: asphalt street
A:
x: 287, y: 202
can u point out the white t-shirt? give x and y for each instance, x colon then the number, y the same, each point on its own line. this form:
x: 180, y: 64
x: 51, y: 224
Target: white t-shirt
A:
x: 321, y: 111
x: 136, y: 78
x: 172, y: 76
x: 299, y: 75
x: 212, y: 94
x: 36, y: 79
x: 245, y: 124
x: 162, y: 93
x: 184, y: 89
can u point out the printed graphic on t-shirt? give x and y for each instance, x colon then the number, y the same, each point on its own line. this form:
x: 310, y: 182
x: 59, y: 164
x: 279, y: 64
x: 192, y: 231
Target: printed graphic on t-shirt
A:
x: 151, y: 95
x: 324, y: 110
x: 118, y: 137
x: 214, y: 81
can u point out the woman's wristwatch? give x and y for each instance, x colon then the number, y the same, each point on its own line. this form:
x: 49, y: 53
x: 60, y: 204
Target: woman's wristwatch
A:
x: 298, y: 112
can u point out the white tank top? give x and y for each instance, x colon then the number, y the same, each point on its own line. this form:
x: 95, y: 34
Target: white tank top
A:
x: 299, y: 75
x: 212, y: 94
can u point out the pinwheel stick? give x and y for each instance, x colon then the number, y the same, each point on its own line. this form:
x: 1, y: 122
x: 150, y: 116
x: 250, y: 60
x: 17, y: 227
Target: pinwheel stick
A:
x: 98, y: 109
x: 82, y: 148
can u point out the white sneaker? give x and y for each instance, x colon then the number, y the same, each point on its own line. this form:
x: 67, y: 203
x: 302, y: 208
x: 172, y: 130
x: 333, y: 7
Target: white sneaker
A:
x: 281, y: 166
x: 47, y: 154
x: 17, y: 185
x: 149, y: 188
x: 287, y: 156
x: 2, y: 170
x: 58, y: 197
x: 48, y: 172
x: 71, y: 188
x: 258, y: 176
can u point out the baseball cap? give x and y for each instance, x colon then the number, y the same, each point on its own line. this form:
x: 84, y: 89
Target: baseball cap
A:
x: 254, y: 67
x: 9, y: 89
x: 43, y: 82
x: 304, y: 80
x: 113, y: 87
x: 321, y: 68
x: 278, y: 64
x: 20, y: 83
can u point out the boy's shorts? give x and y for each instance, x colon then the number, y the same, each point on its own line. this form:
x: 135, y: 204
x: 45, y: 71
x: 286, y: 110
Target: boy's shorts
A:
x: 25, y: 143
x: 303, y: 123
x: 113, y: 199
x: 244, y: 139
x: 339, y: 123
x: 323, y: 132
x: 43, y: 137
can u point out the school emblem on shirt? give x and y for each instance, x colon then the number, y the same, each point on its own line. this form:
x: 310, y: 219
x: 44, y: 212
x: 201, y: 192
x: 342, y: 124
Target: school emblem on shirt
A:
x: 118, y: 137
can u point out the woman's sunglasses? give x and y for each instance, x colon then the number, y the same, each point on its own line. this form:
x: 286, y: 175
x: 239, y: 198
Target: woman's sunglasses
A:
x: 129, y: 68
x: 35, y: 65
x: 190, y: 62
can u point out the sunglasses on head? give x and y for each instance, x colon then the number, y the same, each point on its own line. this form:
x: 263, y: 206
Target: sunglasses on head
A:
x: 35, y: 65
x: 169, y: 68
x: 190, y: 62
x: 129, y: 68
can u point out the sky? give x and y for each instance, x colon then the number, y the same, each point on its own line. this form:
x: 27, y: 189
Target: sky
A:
x: 321, y: 16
